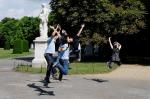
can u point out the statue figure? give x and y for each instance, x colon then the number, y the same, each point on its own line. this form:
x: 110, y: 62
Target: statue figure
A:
x: 44, y: 21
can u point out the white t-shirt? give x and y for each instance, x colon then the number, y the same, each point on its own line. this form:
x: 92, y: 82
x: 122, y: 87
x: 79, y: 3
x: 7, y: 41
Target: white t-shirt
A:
x: 64, y: 54
x: 50, y: 45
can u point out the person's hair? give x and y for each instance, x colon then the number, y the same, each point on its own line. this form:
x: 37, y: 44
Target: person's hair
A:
x: 115, y: 42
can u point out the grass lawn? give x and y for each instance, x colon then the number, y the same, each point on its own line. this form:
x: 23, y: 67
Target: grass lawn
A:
x: 76, y: 68
x: 9, y: 54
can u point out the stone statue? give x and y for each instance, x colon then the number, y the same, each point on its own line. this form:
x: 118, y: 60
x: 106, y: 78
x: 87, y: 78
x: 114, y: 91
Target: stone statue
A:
x: 43, y: 21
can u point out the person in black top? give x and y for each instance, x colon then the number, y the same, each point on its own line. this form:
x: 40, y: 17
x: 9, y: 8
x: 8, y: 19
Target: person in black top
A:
x: 115, y: 53
x: 76, y: 42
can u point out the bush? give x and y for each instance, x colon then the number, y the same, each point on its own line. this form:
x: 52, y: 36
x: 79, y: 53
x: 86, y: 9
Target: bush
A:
x: 18, y: 47
x: 25, y: 46
x: 7, y: 46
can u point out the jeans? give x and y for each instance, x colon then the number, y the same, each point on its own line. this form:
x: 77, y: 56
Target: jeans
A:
x: 49, y: 58
x: 63, y: 66
x: 57, y: 60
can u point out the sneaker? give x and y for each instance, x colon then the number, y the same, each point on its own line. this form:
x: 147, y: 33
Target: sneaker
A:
x: 46, y: 81
x: 108, y: 65
x: 55, y: 73
x: 55, y: 76
x: 60, y: 76
x: 45, y: 84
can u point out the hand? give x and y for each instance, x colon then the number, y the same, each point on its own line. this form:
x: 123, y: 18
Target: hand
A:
x: 82, y: 25
x: 63, y: 31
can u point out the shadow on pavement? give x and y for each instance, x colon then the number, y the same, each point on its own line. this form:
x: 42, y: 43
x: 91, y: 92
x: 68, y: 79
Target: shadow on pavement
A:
x: 97, y: 80
x: 40, y: 90
x: 28, y: 59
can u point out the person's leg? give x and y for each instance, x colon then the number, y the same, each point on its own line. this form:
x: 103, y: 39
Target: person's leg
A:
x: 63, y: 66
x: 109, y: 64
x: 79, y: 56
x: 49, y: 60
x: 54, y: 68
x: 60, y: 75
x: 57, y: 61
x: 118, y: 63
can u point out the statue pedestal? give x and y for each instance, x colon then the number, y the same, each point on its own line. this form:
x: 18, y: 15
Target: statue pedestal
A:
x: 40, y: 46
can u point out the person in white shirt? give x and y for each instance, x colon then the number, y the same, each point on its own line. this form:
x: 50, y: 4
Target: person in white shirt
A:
x: 64, y: 57
x: 50, y: 51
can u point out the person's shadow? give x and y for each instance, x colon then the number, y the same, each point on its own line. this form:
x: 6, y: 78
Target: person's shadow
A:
x: 97, y: 80
x: 40, y: 90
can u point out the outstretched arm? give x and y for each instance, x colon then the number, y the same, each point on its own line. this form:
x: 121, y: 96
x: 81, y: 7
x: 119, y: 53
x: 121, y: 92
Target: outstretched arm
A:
x: 109, y: 39
x: 82, y: 26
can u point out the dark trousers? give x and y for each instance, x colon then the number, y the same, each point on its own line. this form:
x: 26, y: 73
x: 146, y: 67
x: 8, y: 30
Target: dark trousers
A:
x: 49, y: 58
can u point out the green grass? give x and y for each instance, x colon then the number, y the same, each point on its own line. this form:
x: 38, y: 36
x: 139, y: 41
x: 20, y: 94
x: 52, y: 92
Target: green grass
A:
x: 76, y: 68
x: 9, y: 54
x: 29, y: 69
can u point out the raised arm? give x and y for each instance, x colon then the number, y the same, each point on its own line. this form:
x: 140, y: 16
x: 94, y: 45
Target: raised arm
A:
x: 109, y: 39
x: 119, y: 46
x: 58, y: 34
x: 54, y: 29
x: 82, y: 26
x: 64, y: 32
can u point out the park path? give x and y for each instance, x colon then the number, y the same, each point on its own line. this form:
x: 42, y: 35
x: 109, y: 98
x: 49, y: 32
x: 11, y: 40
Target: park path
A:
x: 10, y: 63
x: 128, y: 72
x: 126, y: 82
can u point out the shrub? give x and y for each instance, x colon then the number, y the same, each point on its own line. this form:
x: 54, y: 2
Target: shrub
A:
x: 18, y: 46
x: 25, y: 46
x: 7, y: 46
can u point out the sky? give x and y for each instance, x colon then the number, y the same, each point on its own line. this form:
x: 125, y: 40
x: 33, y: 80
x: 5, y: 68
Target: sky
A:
x: 20, y: 8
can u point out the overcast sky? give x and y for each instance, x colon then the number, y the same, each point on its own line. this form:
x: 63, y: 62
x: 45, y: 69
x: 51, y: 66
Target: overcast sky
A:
x: 19, y: 8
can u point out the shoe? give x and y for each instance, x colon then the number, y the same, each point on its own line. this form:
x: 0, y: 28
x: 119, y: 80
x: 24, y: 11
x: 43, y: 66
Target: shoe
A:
x: 45, y: 84
x: 46, y: 80
x: 60, y: 77
x: 108, y: 65
x: 55, y: 76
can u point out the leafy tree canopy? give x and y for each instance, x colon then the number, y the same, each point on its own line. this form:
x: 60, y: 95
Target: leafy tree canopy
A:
x: 103, y: 18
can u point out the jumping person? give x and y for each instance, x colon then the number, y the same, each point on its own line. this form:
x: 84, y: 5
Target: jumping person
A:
x: 76, y: 43
x: 63, y: 36
x: 50, y: 51
x: 63, y: 63
x: 115, y: 53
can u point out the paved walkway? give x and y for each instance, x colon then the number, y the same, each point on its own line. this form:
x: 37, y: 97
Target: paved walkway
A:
x: 127, y: 82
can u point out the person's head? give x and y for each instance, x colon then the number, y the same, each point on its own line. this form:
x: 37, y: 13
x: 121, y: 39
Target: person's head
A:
x: 115, y: 44
x: 69, y: 39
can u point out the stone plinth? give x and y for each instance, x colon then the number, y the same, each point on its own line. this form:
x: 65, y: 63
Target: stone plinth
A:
x: 40, y: 46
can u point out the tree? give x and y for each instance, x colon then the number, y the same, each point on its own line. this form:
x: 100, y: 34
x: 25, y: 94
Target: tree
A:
x: 104, y: 17
x: 29, y: 27
x: 8, y: 29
